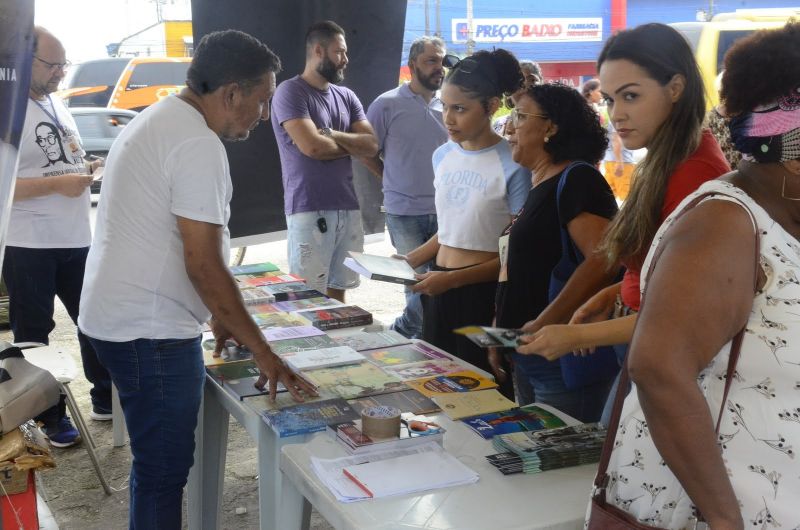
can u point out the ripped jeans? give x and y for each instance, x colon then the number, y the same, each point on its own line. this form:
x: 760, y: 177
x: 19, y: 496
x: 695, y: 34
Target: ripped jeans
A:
x: 317, y: 256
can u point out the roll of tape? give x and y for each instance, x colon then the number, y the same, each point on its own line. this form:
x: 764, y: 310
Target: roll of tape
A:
x: 380, y: 422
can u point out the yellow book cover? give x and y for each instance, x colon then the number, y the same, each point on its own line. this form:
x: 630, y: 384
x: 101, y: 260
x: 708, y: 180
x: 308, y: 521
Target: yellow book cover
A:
x: 463, y: 381
x: 460, y: 405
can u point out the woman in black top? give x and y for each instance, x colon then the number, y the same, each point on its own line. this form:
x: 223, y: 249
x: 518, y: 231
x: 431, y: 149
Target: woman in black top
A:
x: 557, y: 135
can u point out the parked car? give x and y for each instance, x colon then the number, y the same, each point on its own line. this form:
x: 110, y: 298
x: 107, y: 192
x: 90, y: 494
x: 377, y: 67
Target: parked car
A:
x: 99, y: 127
x: 124, y: 83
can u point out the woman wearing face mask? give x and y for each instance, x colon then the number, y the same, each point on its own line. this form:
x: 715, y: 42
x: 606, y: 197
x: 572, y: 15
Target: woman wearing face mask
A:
x: 655, y: 97
x: 478, y: 188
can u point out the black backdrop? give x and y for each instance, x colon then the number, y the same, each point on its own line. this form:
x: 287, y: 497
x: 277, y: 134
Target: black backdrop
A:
x: 374, y: 40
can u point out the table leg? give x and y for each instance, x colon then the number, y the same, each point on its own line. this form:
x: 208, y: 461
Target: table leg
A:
x: 295, y: 508
x: 270, y: 476
x: 207, y: 476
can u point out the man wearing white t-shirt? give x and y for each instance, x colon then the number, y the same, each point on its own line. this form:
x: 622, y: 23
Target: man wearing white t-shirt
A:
x: 48, y: 229
x: 157, y: 268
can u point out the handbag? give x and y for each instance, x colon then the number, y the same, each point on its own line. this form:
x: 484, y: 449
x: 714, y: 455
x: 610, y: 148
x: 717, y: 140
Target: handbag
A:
x: 604, y: 516
x: 577, y: 371
x: 25, y: 390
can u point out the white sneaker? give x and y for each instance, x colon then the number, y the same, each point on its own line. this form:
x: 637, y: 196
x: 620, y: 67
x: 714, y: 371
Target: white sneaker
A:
x: 100, y: 416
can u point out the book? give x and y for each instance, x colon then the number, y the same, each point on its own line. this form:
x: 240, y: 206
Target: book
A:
x: 403, y: 354
x: 238, y: 370
x: 407, y: 372
x: 256, y: 295
x: 460, y: 405
x: 489, y: 337
x: 262, y: 308
x: 278, y: 320
x: 253, y: 268
x: 310, y: 359
x: 277, y: 277
x: 308, y: 417
x: 463, y: 381
x: 350, y: 436
x: 381, y: 268
x: 315, y: 342
x: 232, y: 352
x: 283, y: 290
x: 337, y: 317
x: 370, y: 340
x: 355, y: 380
x: 404, y: 400
x: 305, y: 304
x: 294, y: 332
x: 245, y: 387
x: 410, y: 474
x: 517, y: 419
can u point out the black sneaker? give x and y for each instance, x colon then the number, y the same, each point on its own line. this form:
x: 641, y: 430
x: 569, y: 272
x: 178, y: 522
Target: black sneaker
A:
x: 64, y: 434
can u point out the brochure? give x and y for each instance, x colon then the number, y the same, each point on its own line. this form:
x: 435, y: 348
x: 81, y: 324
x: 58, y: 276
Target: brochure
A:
x: 381, y: 268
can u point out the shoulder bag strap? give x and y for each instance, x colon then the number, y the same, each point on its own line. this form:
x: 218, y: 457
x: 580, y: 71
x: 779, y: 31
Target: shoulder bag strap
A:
x: 601, y: 479
x: 567, y: 245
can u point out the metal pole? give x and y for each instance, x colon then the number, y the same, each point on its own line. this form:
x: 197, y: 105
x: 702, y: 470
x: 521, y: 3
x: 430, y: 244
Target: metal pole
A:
x: 438, y: 18
x: 427, y: 20
x: 470, y: 29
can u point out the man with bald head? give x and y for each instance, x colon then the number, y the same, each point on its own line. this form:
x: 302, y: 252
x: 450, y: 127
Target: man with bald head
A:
x: 48, y: 230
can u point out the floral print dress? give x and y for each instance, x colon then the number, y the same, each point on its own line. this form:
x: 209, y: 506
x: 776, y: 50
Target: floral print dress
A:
x: 760, y: 430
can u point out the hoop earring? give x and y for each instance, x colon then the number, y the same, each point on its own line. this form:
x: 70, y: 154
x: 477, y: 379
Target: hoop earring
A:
x: 783, y: 191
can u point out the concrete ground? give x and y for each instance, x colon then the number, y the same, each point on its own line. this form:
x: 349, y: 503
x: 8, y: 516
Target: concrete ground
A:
x: 72, y: 490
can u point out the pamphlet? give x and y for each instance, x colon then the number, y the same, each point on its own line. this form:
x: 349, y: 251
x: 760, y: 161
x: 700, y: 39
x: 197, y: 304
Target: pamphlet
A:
x: 381, y: 268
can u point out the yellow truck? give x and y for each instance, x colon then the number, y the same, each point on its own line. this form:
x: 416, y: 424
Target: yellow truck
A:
x: 710, y: 40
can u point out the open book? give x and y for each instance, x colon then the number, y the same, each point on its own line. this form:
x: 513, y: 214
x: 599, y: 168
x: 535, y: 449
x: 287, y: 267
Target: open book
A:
x: 381, y: 268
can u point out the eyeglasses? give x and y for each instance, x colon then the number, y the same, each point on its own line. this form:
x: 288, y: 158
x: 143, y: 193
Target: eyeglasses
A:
x: 515, y: 116
x: 467, y: 65
x: 43, y: 141
x: 55, y: 66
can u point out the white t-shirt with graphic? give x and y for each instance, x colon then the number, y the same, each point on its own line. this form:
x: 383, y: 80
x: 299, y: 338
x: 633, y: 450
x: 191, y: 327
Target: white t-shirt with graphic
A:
x: 166, y: 163
x: 477, y: 192
x: 49, y: 221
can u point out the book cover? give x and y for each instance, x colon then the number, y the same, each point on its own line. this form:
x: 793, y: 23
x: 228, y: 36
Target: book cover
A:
x: 316, y: 342
x: 232, y: 352
x: 356, y: 380
x: 423, y: 369
x: 305, y: 304
x: 276, y: 277
x: 245, y: 387
x: 253, y: 268
x: 328, y: 357
x: 402, y: 354
x: 256, y: 295
x: 405, y: 401
x: 463, y: 381
x: 517, y: 419
x: 381, y: 268
x: 308, y: 417
x: 227, y: 371
x: 262, y: 308
x: 460, y: 405
x: 282, y: 291
x: 337, y: 317
x: 488, y: 337
x: 279, y: 320
x: 294, y: 332
x: 370, y: 340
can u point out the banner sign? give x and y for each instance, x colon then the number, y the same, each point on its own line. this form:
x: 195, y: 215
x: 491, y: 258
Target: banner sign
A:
x: 528, y: 30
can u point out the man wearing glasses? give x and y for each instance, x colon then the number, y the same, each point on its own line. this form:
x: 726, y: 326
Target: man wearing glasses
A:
x: 48, y: 229
x: 408, y: 123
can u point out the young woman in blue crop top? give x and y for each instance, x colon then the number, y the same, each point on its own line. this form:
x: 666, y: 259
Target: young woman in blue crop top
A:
x: 478, y: 188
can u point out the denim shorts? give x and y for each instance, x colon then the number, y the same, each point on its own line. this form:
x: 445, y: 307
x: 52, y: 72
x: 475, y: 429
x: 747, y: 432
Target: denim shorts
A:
x: 318, y: 256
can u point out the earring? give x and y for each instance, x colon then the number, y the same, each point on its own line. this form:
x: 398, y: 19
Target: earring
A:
x: 546, y: 139
x: 783, y: 192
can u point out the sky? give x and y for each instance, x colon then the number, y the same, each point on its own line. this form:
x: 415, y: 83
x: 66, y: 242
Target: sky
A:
x: 85, y: 32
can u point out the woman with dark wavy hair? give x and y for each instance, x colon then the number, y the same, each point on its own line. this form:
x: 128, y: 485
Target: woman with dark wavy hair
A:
x: 558, y: 136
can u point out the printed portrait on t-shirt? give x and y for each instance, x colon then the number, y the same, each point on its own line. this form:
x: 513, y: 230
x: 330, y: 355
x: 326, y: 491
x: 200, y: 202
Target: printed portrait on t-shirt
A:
x: 49, y: 140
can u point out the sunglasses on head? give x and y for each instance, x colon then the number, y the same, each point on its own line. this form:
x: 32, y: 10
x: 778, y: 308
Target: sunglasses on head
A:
x: 467, y: 65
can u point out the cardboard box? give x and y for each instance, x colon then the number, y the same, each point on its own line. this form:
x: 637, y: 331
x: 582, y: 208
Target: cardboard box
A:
x: 12, y: 480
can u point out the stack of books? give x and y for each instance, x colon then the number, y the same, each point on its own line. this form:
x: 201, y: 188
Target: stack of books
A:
x: 537, y: 451
x: 518, y: 419
x: 308, y: 417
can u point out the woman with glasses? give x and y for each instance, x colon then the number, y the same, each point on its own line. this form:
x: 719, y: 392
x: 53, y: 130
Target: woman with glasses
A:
x: 654, y: 93
x: 558, y: 136
x: 478, y: 187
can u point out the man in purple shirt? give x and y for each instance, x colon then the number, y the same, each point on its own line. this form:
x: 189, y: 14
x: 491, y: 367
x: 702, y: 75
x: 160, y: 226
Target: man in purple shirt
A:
x: 319, y: 126
x: 408, y: 123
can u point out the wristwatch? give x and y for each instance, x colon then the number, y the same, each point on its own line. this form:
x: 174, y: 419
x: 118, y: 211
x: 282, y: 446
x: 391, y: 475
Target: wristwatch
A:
x: 326, y: 131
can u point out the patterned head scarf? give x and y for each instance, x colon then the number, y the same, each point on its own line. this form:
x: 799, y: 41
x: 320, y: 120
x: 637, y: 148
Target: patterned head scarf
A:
x: 769, y: 133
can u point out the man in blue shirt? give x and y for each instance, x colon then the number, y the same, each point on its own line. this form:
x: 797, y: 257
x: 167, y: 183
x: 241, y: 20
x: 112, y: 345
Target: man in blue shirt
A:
x: 409, y: 127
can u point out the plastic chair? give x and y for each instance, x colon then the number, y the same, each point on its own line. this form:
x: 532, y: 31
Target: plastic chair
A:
x: 64, y: 369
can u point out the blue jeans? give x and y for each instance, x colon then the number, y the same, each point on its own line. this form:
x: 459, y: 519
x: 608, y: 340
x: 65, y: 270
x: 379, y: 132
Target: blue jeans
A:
x: 160, y: 385
x: 408, y: 232
x: 317, y: 256
x: 539, y: 380
x: 621, y: 350
x: 34, y: 277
